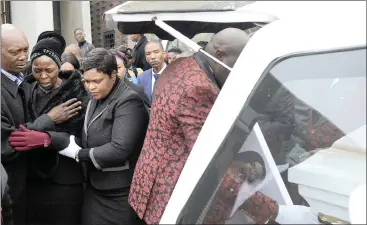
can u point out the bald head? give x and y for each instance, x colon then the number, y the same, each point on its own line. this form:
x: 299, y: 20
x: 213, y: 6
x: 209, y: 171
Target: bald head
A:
x: 73, y: 48
x: 154, y: 43
x: 226, y: 46
x: 14, y: 49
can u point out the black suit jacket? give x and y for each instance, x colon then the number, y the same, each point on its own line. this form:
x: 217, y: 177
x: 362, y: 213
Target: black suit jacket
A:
x: 114, y: 131
x: 14, y: 112
x: 140, y: 60
x: 46, y: 163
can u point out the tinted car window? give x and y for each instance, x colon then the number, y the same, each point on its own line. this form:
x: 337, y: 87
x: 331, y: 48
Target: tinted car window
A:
x: 302, y: 104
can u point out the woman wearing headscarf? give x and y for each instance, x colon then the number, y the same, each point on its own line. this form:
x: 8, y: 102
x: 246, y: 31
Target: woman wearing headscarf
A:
x: 114, y: 130
x: 55, y: 182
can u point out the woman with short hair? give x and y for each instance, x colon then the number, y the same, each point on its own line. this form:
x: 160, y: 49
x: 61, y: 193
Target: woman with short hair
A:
x: 114, y: 130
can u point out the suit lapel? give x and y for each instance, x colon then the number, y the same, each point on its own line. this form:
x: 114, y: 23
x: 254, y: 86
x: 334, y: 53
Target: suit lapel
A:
x: 91, y: 116
x: 141, y: 40
x: 149, y: 82
x: 9, y: 85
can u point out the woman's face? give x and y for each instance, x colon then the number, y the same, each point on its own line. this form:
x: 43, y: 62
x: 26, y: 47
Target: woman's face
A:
x: 121, y: 68
x: 46, y: 72
x: 98, y: 84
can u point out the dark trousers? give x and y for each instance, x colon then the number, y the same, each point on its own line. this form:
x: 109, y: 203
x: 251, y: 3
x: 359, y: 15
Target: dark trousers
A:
x: 102, y: 209
x: 19, y: 210
x: 49, y: 203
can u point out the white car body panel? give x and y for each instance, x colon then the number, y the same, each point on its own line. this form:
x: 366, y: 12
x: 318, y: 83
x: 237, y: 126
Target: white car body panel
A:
x: 277, y: 39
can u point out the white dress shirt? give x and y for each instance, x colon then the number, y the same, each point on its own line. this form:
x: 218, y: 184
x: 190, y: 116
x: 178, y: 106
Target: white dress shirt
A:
x: 160, y: 72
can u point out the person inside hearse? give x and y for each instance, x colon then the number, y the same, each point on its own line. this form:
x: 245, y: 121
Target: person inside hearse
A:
x: 314, y: 131
x: 184, y: 96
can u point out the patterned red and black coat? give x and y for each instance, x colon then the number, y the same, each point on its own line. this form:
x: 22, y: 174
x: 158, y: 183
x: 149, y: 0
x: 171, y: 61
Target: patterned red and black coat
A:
x: 183, y: 97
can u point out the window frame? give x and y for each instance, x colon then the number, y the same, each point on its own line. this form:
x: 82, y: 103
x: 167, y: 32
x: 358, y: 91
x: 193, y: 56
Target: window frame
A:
x: 109, y: 43
x: 265, y: 72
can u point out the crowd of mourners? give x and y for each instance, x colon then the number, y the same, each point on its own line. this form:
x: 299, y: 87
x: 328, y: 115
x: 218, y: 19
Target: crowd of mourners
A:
x: 99, y: 137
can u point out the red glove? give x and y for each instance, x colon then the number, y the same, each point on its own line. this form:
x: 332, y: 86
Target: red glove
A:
x: 26, y: 139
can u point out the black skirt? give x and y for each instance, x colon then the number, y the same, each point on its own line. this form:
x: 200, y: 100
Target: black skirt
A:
x: 101, y: 209
x: 49, y: 203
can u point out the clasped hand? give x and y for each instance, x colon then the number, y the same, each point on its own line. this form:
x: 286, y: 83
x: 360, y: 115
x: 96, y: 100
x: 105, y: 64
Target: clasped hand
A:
x: 27, y: 139
x: 72, y: 150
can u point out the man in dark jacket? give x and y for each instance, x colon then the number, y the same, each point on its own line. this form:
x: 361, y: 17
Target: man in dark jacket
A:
x: 14, y: 101
x: 84, y: 46
x: 139, y: 51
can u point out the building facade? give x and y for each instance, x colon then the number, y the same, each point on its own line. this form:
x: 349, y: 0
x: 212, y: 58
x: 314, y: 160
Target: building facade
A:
x: 34, y: 17
x: 101, y: 36
x: 107, y: 38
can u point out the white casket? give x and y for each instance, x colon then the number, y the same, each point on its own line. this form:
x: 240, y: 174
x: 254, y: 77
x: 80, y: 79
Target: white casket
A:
x: 326, y: 179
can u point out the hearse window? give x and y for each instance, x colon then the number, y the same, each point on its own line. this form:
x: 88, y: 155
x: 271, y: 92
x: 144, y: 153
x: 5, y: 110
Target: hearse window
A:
x: 302, y: 104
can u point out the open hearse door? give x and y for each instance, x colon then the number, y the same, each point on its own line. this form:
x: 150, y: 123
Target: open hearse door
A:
x: 295, y: 99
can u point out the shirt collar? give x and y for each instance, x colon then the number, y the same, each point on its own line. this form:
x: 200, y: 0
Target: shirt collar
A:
x: 18, y: 79
x: 161, y: 71
x: 204, y: 65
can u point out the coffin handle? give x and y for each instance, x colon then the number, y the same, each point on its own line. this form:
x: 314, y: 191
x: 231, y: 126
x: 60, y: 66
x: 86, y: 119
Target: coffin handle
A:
x: 325, y: 219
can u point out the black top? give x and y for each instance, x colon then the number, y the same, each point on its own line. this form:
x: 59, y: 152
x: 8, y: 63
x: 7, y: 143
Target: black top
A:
x: 139, y: 49
x: 46, y: 163
x: 113, y: 135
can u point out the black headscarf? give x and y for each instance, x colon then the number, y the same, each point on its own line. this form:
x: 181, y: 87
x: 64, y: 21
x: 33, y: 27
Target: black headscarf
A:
x: 51, y: 44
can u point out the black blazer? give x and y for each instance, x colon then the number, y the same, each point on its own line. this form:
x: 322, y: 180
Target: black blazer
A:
x: 114, y: 131
x: 14, y: 112
x: 46, y: 163
x: 140, y: 60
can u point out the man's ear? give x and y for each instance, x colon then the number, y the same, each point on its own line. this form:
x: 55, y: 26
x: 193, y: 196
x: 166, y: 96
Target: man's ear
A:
x: 219, y: 54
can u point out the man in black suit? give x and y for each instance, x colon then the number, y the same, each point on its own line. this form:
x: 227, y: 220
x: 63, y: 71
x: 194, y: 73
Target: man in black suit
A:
x: 139, y: 50
x: 14, y: 112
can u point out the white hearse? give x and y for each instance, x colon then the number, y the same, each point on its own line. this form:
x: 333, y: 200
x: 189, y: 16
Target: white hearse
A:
x: 296, y: 95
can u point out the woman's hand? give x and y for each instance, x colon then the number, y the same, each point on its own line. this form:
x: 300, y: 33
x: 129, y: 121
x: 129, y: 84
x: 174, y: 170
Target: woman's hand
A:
x: 72, y: 150
x: 26, y: 139
x: 65, y: 111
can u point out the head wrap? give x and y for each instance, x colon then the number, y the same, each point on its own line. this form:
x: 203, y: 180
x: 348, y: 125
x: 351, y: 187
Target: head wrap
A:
x: 51, y: 44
